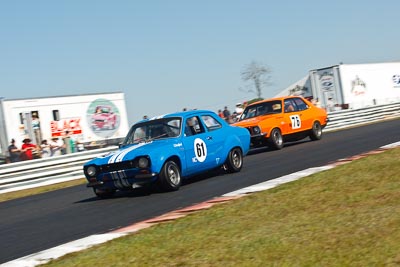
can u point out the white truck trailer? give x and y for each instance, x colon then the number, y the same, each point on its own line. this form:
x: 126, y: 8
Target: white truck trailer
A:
x: 89, y: 119
x: 350, y: 85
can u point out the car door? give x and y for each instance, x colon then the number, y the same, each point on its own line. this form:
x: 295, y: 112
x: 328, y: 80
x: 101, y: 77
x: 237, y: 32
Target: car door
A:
x: 292, y: 117
x: 306, y: 114
x: 199, y: 146
x: 215, y: 134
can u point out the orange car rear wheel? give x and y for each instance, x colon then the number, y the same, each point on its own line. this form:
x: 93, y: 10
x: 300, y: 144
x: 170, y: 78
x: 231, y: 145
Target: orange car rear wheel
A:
x: 316, y: 131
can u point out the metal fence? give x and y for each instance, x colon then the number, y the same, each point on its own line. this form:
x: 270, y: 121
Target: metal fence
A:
x: 349, y: 117
x: 39, y: 172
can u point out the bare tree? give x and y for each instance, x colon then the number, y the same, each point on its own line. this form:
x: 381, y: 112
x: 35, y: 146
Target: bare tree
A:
x: 259, y: 74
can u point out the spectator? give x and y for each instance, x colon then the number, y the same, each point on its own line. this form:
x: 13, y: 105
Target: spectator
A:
x: 79, y: 145
x: 220, y: 113
x: 28, y: 149
x: 36, y: 129
x: 45, y: 149
x: 55, y: 146
x: 317, y: 103
x: 227, y: 114
x: 238, y: 110
x: 69, y: 143
x: 313, y: 101
x: 14, y: 152
x: 330, y: 104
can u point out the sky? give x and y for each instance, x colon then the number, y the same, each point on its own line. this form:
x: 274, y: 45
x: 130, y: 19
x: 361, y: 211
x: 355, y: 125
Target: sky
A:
x: 175, y: 54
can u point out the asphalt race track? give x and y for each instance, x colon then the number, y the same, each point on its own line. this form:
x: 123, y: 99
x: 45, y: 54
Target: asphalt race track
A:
x: 36, y: 223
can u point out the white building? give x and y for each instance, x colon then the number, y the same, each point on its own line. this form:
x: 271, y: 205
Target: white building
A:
x: 87, y: 118
x: 351, y: 85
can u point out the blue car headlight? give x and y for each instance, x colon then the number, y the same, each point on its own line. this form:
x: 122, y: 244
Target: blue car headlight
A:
x: 91, y: 171
x: 143, y: 162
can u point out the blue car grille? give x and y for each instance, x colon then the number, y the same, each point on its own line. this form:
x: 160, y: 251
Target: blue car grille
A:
x: 117, y: 166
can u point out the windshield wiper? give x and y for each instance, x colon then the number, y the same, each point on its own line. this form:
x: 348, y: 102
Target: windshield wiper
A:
x: 156, y: 137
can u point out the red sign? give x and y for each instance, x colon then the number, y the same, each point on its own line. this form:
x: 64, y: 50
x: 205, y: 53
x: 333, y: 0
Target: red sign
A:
x: 58, y: 128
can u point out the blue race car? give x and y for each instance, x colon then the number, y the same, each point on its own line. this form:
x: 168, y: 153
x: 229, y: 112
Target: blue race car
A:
x: 165, y: 149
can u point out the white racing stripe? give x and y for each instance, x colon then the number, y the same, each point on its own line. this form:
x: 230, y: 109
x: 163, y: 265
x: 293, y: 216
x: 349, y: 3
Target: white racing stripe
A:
x: 124, y: 153
x: 119, y: 176
x: 123, y: 179
x: 119, y: 156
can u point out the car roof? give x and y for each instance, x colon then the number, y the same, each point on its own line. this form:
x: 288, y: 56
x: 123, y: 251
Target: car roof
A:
x: 276, y: 98
x: 183, y: 114
x: 188, y: 113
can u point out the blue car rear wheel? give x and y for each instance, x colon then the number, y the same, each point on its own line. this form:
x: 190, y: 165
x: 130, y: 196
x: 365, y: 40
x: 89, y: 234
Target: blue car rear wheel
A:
x: 234, y: 161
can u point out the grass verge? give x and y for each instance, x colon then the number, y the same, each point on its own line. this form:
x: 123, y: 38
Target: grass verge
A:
x: 38, y: 190
x: 347, y: 216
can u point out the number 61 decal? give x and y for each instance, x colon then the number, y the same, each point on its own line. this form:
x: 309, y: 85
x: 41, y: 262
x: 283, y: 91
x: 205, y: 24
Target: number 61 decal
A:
x: 200, y: 149
x: 296, y: 122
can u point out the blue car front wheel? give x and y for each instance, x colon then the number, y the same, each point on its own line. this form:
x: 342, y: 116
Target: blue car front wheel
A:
x: 170, y: 176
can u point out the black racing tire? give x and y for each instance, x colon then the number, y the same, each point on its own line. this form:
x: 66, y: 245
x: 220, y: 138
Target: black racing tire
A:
x: 276, y: 140
x: 316, y: 131
x: 104, y: 193
x: 234, y: 162
x: 170, y: 176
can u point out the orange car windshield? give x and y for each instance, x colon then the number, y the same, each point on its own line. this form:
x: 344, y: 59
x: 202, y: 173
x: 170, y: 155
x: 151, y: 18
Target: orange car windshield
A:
x: 265, y: 108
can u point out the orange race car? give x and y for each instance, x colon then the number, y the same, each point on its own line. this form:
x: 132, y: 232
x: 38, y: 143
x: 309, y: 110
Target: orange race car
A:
x: 273, y: 121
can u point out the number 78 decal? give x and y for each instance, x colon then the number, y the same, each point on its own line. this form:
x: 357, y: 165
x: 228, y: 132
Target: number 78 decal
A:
x: 296, y: 122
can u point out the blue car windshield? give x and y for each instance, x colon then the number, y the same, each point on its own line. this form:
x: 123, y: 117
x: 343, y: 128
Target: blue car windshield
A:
x: 153, y: 129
